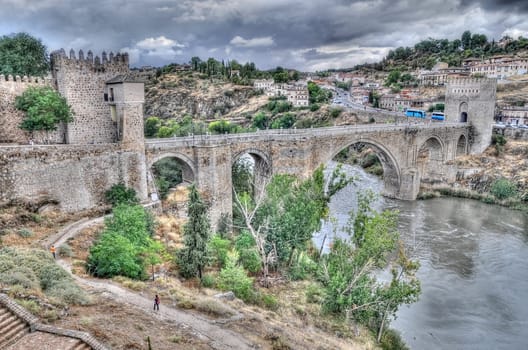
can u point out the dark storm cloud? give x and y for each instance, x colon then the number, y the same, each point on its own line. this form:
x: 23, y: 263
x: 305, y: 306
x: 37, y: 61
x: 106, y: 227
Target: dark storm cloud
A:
x: 498, y: 5
x: 303, y: 34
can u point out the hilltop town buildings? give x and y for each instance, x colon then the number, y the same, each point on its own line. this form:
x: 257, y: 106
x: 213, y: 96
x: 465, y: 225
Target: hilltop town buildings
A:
x: 297, y: 95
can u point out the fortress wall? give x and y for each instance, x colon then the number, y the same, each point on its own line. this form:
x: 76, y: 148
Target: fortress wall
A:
x: 76, y: 176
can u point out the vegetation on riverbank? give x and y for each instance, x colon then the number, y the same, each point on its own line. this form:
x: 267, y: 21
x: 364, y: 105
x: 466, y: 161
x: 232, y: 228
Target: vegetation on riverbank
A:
x: 498, y: 176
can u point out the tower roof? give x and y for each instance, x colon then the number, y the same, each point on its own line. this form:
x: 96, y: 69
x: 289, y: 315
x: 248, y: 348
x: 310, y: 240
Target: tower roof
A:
x: 124, y: 78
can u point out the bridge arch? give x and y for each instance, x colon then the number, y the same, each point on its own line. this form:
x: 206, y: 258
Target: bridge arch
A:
x: 430, y: 159
x: 262, y: 166
x: 391, y: 169
x: 188, y: 167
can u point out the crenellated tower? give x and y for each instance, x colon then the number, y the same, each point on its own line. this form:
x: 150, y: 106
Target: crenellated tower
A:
x: 472, y: 100
x: 82, y: 81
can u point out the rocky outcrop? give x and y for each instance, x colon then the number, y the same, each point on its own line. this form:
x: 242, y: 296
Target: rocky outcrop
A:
x: 176, y: 96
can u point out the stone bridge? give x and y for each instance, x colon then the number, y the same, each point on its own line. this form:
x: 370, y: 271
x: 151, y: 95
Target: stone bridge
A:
x: 409, y: 155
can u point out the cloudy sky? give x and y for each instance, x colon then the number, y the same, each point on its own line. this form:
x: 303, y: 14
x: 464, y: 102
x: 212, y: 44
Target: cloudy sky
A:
x: 304, y: 34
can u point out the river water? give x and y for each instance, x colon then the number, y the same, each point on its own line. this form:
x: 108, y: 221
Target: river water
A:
x: 474, y: 269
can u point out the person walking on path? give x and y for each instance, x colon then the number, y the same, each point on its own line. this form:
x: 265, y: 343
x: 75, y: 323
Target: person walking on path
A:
x: 52, y: 251
x: 156, y: 302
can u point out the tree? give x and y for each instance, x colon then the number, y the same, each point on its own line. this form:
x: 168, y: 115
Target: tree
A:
x: 348, y: 270
x: 22, y: 54
x: 193, y: 256
x: 152, y: 125
x: 466, y: 40
x: 45, y: 108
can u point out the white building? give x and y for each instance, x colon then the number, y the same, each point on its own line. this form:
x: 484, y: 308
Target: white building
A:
x: 297, y: 94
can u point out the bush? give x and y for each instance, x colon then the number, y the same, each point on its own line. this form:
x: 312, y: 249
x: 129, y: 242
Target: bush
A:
x: 219, y: 248
x: 314, y: 294
x: 391, y: 340
x: 335, y: 112
x: 120, y: 194
x: 284, y: 122
x: 235, y: 279
x: 503, y: 188
x: 314, y: 107
x: 65, y: 250
x: 208, y: 281
x: 302, y: 268
x: 30, y: 305
x: 269, y: 302
x: 34, y: 269
x: 25, y: 233
x: 247, y: 252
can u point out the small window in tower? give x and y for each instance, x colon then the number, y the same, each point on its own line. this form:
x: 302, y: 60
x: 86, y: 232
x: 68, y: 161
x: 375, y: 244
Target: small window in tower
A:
x: 111, y: 95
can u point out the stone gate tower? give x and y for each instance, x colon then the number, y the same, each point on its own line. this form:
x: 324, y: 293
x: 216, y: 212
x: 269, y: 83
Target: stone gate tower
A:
x: 81, y: 80
x: 472, y: 100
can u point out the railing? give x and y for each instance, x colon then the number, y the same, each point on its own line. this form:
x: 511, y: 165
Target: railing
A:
x: 285, y: 134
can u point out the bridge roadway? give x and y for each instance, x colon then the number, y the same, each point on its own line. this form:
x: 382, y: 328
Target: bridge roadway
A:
x: 289, y: 134
x: 409, y: 153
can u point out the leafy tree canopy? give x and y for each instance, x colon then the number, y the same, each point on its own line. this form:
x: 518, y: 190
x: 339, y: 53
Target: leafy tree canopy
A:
x: 22, y: 54
x: 45, y: 108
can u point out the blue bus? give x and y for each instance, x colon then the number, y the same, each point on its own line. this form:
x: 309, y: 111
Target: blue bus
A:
x: 416, y: 113
x: 438, y: 116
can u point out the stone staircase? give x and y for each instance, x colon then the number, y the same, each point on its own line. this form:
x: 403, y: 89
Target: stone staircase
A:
x: 12, y: 328
x: 20, y: 330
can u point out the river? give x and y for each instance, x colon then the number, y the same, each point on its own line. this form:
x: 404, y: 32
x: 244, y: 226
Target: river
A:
x: 474, y: 269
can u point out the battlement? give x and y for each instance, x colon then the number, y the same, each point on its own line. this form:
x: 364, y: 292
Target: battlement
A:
x: 470, y: 81
x: 22, y: 79
x: 96, y: 63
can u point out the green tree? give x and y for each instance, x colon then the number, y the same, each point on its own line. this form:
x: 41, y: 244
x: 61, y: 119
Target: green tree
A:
x: 120, y: 194
x: 125, y: 245
x: 44, y: 109
x: 22, y: 54
x: 152, y: 125
x: 261, y: 121
x: 348, y: 270
x: 466, y: 40
x: 193, y: 256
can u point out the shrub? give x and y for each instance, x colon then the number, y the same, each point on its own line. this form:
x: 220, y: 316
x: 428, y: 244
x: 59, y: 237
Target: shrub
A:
x: 391, y: 340
x: 248, y: 255
x: 67, y: 291
x: 302, y: 268
x: 65, y: 250
x: 219, y: 248
x: 208, y: 281
x: 213, y: 307
x: 52, y: 274
x: 25, y: 233
x: 314, y: 107
x: 284, y: 122
x: 335, y: 112
x: 120, y: 194
x: 269, y: 302
x: 30, y: 305
x: 503, y: 188
x: 235, y: 279
x: 314, y: 294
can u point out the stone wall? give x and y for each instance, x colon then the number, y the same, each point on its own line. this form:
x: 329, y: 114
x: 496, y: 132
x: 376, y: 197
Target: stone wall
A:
x: 82, y: 81
x: 75, y: 176
x: 10, y: 117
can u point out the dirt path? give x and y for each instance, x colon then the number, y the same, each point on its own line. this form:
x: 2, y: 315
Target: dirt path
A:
x: 205, y: 329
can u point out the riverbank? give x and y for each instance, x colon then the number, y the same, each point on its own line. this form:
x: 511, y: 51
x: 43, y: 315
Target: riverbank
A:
x: 497, y: 176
